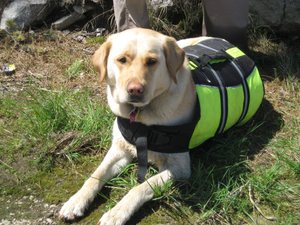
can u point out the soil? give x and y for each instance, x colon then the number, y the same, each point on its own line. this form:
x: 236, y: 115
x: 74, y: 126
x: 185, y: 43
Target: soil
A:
x: 41, y: 212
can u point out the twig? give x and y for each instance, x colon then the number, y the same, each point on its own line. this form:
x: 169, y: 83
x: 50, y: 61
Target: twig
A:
x: 7, y: 131
x: 6, y: 164
x: 239, y: 190
x: 257, y: 208
x: 113, y: 187
x: 44, y: 89
x: 12, y: 134
x: 221, y: 219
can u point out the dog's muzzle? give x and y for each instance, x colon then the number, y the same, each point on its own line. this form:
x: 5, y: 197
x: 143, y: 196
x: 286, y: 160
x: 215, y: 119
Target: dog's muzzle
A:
x: 136, y: 91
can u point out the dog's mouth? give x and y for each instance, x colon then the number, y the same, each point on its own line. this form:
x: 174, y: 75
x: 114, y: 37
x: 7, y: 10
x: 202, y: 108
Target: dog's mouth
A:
x: 137, y: 101
x: 133, y: 115
x: 136, y: 104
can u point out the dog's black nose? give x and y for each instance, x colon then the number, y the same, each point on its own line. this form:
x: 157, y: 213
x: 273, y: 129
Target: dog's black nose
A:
x: 135, y: 88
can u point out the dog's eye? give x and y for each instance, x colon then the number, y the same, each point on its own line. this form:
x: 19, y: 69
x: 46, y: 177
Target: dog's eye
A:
x: 122, y: 60
x: 151, y: 62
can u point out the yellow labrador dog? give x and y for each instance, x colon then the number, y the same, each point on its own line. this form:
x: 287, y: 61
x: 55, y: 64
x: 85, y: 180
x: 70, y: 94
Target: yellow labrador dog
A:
x: 148, y: 71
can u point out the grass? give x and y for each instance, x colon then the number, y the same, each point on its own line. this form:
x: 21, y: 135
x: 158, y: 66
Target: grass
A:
x: 55, y: 128
x: 58, y: 122
x: 75, y: 70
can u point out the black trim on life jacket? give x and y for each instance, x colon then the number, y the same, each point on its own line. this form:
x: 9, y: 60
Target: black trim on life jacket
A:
x: 158, y: 138
x: 222, y: 74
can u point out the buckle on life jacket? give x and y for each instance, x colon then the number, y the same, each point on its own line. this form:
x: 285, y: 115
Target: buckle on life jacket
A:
x: 204, y: 59
x: 159, y: 138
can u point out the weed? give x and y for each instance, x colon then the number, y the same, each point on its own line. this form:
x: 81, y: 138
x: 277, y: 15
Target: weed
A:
x: 19, y: 36
x: 11, y: 25
x: 96, y: 40
x: 75, y: 69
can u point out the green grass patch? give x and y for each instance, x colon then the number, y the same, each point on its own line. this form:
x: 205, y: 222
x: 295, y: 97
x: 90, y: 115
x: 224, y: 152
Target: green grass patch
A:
x: 96, y: 40
x: 47, y: 124
x: 75, y: 69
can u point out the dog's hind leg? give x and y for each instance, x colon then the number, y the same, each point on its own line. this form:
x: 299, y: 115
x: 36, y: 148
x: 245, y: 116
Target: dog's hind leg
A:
x: 112, y: 164
x: 171, y: 168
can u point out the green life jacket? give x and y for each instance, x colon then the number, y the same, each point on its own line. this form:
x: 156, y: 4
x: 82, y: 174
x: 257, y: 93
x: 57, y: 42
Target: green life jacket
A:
x: 229, y: 92
x: 228, y: 85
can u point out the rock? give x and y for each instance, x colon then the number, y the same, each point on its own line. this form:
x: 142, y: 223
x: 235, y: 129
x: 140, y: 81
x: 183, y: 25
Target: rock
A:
x: 83, y: 9
x: 49, y: 221
x: 5, y: 222
x: 281, y: 15
x: 51, y: 214
x: 26, y: 12
x: 155, y: 4
x: 100, y: 31
x: 53, y: 206
x: 67, y: 20
x: 283, y: 92
x: 77, y: 15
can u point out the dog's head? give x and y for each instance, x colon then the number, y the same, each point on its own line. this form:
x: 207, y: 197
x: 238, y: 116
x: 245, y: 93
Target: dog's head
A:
x: 138, y: 65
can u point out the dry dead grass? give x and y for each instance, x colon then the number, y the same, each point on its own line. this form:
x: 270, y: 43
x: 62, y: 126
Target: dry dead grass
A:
x: 45, y: 57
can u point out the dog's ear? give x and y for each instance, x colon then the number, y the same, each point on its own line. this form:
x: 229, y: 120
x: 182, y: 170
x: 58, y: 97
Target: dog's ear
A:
x: 100, y: 59
x: 174, y: 56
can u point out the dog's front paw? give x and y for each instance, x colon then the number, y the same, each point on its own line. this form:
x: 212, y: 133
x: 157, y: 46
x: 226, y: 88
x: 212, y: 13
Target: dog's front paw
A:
x: 74, y: 208
x: 117, y: 215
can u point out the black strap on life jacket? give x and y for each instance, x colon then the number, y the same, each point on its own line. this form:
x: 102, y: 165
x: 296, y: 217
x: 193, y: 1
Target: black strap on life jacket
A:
x: 231, y: 72
x: 158, y: 138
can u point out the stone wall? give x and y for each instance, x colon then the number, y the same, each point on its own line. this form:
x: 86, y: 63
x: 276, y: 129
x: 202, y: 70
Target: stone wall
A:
x: 282, y: 16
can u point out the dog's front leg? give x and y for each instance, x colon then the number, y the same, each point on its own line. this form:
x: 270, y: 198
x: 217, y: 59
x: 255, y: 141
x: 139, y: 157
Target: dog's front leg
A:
x: 135, y: 198
x: 110, y: 167
x: 171, y: 168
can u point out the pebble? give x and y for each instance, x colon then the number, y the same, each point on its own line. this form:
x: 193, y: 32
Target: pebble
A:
x: 53, y: 206
x: 283, y: 92
x: 5, y: 222
x: 48, y: 216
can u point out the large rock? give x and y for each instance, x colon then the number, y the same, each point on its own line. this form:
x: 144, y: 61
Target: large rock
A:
x: 283, y: 16
x: 25, y: 12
